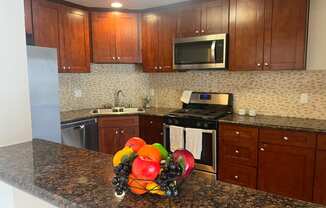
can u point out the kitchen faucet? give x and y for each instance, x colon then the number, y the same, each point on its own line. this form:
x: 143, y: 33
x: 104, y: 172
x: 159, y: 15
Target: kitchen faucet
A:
x: 117, y: 98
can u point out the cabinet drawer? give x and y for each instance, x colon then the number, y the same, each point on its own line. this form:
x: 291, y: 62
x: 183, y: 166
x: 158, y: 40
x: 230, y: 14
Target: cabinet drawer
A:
x: 118, y: 121
x: 239, y: 153
x: 237, y: 133
x: 239, y: 175
x: 286, y: 137
x: 151, y: 121
x: 322, y: 141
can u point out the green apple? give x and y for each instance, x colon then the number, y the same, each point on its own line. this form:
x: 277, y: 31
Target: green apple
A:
x: 164, y: 153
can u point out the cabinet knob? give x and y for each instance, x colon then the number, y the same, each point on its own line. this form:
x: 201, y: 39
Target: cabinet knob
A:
x: 122, y: 131
x: 64, y: 68
x: 236, y: 177
x: 202, y: 31
x: 266, y: 64
x: 113, y: 58
x: 259, y: 64
x: 262, y: 149
x: 161, y: 133
x: 151, y: 122
x: 116, y: 132
x: 197, y: 31
x: 118, y: 57
x: 237, y: 133
x: 160, y: 67
x: 237, y: 151
x: 155, y: 67
x: 69, y: 67
x: 286, y: 138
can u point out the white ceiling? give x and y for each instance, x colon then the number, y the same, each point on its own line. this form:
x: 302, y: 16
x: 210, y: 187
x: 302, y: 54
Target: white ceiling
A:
x: 127, y: 4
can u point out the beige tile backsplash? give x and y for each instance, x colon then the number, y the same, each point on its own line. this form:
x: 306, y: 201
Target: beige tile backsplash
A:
x: 269, y: 93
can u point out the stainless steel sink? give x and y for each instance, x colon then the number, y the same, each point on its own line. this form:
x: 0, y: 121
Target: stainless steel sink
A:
x: 117, y: 111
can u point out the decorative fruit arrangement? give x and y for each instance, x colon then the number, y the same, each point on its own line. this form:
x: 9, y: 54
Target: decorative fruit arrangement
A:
x: 142, y: 168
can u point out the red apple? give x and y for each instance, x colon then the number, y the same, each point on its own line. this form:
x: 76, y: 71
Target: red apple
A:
x: 186, y: 160
x: 135, y: 143
x: 145, y: 168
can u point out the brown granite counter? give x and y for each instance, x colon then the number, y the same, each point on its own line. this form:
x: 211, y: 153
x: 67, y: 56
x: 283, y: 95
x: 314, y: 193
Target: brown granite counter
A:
x: 300, y: 124
x: 69, y: 177
x: 76, y: 115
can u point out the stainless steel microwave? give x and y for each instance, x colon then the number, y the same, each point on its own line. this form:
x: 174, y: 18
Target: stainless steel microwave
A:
x: 203, y: 52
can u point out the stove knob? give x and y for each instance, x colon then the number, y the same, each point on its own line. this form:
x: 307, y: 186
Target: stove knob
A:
x: 170, y: 121
x: 176, y: 121
x: 206, y: 125
x: 198, y: 124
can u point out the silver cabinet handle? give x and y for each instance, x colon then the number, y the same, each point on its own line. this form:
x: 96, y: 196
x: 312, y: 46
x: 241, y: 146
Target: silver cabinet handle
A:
x: 155, y: 67
x: 237, y: 133
x: 118, y: 58
x: 262, y: 149
x: 116, y: 132
x: 122, y: 131
x: 202, y: 31
x: 69, y: 67
x: 113, y: 58
x: 266, y: 64
x: 197, y: 31
x: 236, y: 177
x: 237, y: 151
x: 259, y: 64
x: 160, y: 67
x: 64, y: 68
x: 286, y: 138
x: 151, y: 122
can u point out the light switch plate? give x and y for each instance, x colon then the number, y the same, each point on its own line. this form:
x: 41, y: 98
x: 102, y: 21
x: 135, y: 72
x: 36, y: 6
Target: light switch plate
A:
x: 304, y: 98
x: 78, y: 93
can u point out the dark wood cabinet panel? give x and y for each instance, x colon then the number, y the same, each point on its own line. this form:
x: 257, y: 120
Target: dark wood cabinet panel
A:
x: 320, y: 179
x: 103, y: 37
x: 286, y: 170
x: 127, y: 38
x: 28, y: 17
x: 151, y: 129
x: 46, y: 24
x: 215, y: 17
x: 109, y: 140
x: 285, y: 34
x: 189, y: 20
x: 321, y: 142
x: 246, y: 34
x: 74, y: 41
x: 238, y: 174
x: 126, y: 133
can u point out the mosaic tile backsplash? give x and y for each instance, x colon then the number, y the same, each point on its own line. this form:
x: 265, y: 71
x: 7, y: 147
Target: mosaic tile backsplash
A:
x: 269, y: 93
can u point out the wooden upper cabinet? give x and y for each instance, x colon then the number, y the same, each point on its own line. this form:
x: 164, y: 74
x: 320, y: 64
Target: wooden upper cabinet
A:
x: 158, y: 31
x: 74, y: 41
x: 285, y: 34
x: 115, y: 37
x: 246, y: 34
x: 103, y: 37
x: 215, y: 17
x: 46, y: 24
x: 150, y: 43
x: 268, y: 35
x: 286, y: 170
x: 28, y: 20
x: 189, y: 20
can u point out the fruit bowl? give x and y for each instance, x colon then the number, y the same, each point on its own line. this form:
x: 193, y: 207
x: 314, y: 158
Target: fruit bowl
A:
x: 141, y: 168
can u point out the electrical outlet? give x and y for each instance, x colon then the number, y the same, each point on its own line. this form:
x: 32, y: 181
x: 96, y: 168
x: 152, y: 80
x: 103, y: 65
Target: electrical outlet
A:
x: 78, y: 93
x: 304, y: 98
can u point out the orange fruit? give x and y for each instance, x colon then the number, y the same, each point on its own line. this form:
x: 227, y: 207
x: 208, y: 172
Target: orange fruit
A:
x: 150, y: 152
x: 135, y: 143
x: 137, y: 186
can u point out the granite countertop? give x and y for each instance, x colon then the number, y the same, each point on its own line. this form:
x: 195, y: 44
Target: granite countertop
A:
x: 75, y: 115
x: 300, y: 124
x: 70, y: 177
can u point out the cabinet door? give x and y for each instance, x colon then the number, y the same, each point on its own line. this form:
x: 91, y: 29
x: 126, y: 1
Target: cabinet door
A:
x: 46, y: 24
x: 28, y: 17
x: 150, y: 42
x: 285, y: 34
x: 109, y: 140
x: 320, y: 179
x: 167, y: 27
x: 286, y: 170
x: 103, y: 37
x: 215, y: 17
x: 151, y: 129
x: 74, y: 41
x: 127, y: 38
x: 189, y: 20
x: 126, y: 133
x: 246, y: 34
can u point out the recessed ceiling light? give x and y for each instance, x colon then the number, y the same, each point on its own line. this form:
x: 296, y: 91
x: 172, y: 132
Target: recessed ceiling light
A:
x: 116, y: 5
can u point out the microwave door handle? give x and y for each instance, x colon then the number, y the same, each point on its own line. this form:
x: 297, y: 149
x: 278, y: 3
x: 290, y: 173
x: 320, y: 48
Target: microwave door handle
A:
x: 213, y: 47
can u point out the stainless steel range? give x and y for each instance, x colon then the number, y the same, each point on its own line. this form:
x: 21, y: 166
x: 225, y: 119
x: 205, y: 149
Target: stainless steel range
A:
x: 195, y: 127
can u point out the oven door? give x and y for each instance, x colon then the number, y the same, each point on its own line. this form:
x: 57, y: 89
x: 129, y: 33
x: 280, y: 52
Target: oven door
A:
x: 205, y: 52
x: 208, y: 160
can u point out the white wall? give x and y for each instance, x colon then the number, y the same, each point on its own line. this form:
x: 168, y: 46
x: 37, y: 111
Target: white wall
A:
x: 316, y: 59
x: 15, y: 119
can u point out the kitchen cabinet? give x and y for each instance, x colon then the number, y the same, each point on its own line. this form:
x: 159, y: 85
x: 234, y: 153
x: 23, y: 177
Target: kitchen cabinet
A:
x: 64, y: 28
x: 28, y: 20
x: 151, y: 129
x: 74, y: 41
x: 268, y: 35
x: 320, y: 171
x: 115, y: 37
x: 286, y: 170
x: 209, y: 17
x: 115, y: 131
x: 158, y: 30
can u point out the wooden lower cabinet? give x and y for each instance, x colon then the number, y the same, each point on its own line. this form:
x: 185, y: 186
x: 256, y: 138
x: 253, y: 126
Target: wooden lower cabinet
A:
x: 239, y: 175
x: 320, y: 171
x: 151, y: 129
x: 115, y: 131
x: 286, y: 170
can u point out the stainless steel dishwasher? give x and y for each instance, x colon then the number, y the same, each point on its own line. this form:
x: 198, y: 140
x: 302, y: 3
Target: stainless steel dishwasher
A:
x: 81, y: 134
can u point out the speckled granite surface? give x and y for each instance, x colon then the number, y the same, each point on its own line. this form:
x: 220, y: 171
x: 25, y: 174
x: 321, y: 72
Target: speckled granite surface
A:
x: 312, y: 125
x: 70, y: 116
x: 70, y: 177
